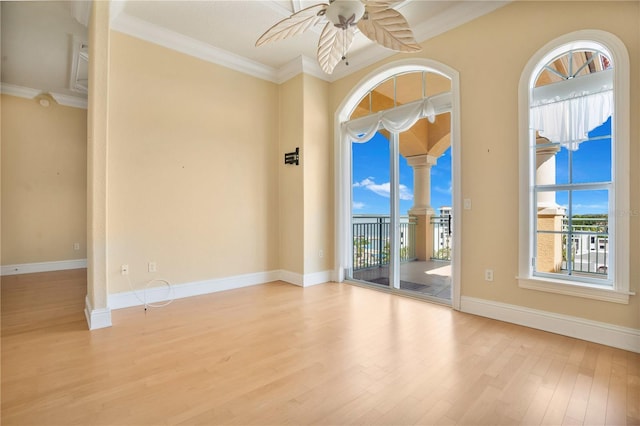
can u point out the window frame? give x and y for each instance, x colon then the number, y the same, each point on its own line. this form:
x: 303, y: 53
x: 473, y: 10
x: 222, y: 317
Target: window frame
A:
x: 619, y: 195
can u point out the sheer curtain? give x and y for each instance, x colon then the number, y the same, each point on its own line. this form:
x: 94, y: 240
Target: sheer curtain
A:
x: 565, y: 112
x: 398, y: 119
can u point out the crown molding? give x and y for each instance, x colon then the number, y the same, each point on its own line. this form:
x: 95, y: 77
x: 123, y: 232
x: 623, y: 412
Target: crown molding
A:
x: 70, y: 101
x: 310, y: 66
x: 30, y: 93
x: 161, y: 36
x: 438, y: 24
x: 19, y: 91
x: 301, y: 64
x: 291, y: 69
x: 152, y: 33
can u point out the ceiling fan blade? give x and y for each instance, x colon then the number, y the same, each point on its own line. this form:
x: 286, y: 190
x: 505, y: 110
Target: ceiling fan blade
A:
x: 381, y: 4
x: 333, y: 45
x: 390, y: 29
x: 295, y: 24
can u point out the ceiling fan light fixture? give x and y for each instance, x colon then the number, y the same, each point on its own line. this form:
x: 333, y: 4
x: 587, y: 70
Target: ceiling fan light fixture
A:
x: 376, y: 20
x: 345, y: 13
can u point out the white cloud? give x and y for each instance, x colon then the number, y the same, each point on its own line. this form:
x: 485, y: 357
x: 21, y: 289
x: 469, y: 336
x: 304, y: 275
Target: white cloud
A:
x: 383, y: 189
x: 365, y: 182
x: 405, y: 193
x: 358, y: 205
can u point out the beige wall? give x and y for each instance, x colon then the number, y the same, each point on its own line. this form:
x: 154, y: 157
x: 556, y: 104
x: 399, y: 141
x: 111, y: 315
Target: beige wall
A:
x: 97, y: 146
x: 318, y: 182
x: 306, y: 192
x: 43, y: 181
x: 192, y: 167
x: 291, y: 188
x: 490, y: 54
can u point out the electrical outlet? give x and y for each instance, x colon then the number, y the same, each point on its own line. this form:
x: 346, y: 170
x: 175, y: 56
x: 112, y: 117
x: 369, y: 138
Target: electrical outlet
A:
x: 467, y: 204
x: 124, y: 269
x: 321, y: 254
x: 76, y: 246
x: 153, y: 267
x: 488, y: 274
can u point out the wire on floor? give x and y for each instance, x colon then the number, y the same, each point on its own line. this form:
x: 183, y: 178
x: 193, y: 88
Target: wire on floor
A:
x: 143, y: 300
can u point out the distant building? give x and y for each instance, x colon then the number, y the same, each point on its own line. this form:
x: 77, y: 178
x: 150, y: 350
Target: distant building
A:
x: 442, y: 233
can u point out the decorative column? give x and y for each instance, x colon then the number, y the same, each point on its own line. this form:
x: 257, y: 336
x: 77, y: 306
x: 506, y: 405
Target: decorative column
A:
x: 421, y: 212
x: 546, y: 172
x: 96, y: 303
x: 550, y: 214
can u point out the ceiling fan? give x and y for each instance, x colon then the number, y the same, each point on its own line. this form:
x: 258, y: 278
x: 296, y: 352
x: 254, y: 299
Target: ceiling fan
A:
x: 374, y: 18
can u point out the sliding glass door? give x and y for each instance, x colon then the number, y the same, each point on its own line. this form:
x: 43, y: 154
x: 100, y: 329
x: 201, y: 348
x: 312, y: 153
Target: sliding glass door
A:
x: 381, y: 236
x: 371, y: 218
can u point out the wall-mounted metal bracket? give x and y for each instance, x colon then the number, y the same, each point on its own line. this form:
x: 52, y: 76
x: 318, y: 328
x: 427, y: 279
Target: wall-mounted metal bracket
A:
x: 292, y: 157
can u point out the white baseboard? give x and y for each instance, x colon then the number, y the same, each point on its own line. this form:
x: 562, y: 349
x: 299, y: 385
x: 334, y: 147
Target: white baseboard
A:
x: 316, y: 278
x: 592, y: 331
x: 96, y: 318
x: 306, y: 280
x: 163, y: 294
x: 291, y: 277
x: 337, y: 275
x: 29, y: 268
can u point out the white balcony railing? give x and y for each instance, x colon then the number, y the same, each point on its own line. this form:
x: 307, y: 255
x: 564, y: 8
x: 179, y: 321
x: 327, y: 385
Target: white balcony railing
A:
x: 588, y: 245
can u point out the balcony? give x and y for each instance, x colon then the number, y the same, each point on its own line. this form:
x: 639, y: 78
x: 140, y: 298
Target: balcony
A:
x: 442, y: 237
x: 371, y: 245
x: 588, y: 246
x: 371, y: 255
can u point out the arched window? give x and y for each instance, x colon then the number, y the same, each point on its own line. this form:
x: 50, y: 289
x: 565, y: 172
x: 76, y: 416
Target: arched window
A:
x: 574, y: 147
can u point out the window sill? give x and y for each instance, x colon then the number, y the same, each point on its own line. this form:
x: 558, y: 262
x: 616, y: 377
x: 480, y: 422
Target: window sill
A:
x: 578, y: 290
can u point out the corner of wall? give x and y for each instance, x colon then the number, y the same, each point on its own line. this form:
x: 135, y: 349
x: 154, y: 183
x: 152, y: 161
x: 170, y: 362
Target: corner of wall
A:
x: 96, y: 318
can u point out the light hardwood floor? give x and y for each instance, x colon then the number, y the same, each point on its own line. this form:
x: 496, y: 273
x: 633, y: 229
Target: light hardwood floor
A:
x: 281, y: 354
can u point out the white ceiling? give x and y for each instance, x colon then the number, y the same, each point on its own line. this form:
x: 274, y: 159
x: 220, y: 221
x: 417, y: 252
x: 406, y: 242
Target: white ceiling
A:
x: 38, y: 37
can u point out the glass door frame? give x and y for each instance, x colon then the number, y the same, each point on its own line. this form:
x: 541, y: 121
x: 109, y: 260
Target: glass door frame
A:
x: 394, y: 211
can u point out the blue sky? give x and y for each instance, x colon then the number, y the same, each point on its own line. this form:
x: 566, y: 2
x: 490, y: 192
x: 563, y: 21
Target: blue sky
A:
x: 371, y: 179
x: 371, y: 176
x: 591, y: 163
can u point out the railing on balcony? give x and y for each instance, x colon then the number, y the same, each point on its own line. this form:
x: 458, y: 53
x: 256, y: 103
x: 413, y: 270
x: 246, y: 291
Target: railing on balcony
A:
x: 588, y: 246
x: 441, y: 226
x: 371, y: 246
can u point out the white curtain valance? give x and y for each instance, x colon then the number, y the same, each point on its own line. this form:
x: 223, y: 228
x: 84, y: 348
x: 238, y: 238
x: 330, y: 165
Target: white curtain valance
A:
x: 569, y: 122
x: 566, y: 112
x: 398, y: 119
